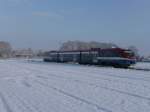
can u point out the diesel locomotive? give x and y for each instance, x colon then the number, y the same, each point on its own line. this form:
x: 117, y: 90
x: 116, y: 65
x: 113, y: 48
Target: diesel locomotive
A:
x: 116, y: 57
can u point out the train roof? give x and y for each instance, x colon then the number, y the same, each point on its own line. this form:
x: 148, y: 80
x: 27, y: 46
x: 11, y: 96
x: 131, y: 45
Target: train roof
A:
x: 92, y: 49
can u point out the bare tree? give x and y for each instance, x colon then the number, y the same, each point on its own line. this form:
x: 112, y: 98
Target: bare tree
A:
x: 5, y: 49
x: 79, y: 45
x: 135, y: 50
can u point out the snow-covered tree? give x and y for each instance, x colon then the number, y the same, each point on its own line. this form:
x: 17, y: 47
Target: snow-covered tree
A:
x: 135, y: 50
x: 5, y: 49
x: 79, y: 45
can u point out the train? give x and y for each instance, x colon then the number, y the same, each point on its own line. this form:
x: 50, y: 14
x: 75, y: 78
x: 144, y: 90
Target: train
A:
x: 116, y: 57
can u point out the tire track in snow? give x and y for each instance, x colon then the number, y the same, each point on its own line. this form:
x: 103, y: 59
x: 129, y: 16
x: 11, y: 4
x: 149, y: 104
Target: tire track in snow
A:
x: 85, y: 82
x: 105, y: 74
x: 74, y: 97
x: 25, y: 103
x: 5, y: 103
x: 93, y: 72
x: 21, y: 103
x: 91, y: 84
x: 30, y: 107
x: 11, y: 98
x: 88, y: 101
x: 96, y: 77
x: 43, y: 92
x: 103, y: 87
x: 89, y: 76
x: 83, y: 72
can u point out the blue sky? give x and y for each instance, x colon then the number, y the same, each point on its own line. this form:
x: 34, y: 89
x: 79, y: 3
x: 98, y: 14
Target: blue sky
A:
x: 45, y: 24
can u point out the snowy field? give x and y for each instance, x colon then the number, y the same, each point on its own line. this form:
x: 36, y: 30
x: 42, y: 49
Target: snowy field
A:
x: 49, y: 87
x: 144, y: 65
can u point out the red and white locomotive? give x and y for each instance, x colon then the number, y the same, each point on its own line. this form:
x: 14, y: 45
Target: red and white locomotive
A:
x: 116, y: 57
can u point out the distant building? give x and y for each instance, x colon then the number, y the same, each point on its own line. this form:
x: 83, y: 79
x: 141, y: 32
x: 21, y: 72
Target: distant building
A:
x: 24, y: 53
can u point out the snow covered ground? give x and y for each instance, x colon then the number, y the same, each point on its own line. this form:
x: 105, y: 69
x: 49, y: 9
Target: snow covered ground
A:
x: 27, y: 86
x: 144, y: 65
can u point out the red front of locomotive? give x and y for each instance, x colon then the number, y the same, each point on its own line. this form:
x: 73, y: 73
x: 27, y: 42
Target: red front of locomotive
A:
x: 127, y: 54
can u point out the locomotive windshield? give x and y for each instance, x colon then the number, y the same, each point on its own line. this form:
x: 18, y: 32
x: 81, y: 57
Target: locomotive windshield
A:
x: 130, y: 53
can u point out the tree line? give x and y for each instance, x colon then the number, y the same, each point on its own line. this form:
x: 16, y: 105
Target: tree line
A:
x: 6, y: 50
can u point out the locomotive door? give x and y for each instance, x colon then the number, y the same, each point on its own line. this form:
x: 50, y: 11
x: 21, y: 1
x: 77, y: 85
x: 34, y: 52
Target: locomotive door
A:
x: 75, y: 57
